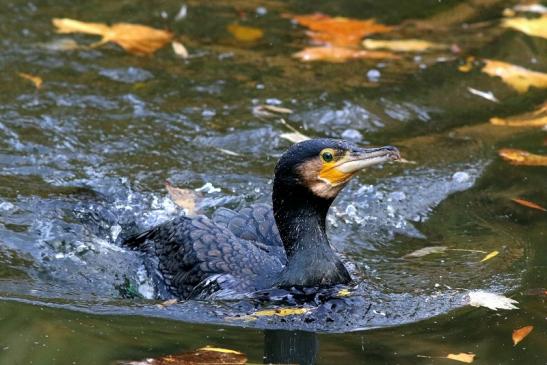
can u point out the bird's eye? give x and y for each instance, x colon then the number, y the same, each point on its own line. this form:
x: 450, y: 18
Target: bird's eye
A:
x: 327, y: 156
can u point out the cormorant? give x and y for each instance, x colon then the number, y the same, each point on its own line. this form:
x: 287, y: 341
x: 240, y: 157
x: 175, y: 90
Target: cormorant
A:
x: 260, y: 247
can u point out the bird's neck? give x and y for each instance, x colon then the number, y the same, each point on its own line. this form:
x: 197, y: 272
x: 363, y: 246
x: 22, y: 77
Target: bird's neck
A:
x: 300, y: 217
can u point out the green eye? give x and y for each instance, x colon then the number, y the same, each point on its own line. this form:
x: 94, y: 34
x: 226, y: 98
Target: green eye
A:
x: 327, y: 156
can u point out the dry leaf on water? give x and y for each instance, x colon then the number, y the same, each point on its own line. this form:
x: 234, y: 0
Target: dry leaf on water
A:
x: 492, y: 301
x: 519, y: 78
x: 521, y: 333
x: 490, y: 255
x: 134, y: 38
x: 36, y: 80
x: 179, y: 49
x: 426, y: 251
x: 203, y: 356
x: 340, y: 54
x: 537, y: 118
x: 404, y: 45
x: 281, y: 312
x: 268, y: 111
x: 466, y: 357
x: 338, y: 31
x: 529, y: 204
x: 524, y: 158
x: 245, y: 34
x: 167, y: 303
x: 536, y: 27
x: 294, y: 137
x: 184, y: 198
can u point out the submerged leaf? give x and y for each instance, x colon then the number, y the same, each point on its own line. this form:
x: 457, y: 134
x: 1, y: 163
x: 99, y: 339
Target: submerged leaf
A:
x: 529, y: 204
x: 492, y: 301
x: 519, y: 78
x: 404, y: 45
x: 426, y: 251
x: 536, y: 27
x: 245, y: 34
x: 184, y: 198
x: 521, y: 333
x: 490, y: 255
x: 340, y: 54
x: 36, y: 80
x: 462, y: 357
x: 134, y: 38
x: 339, y: 31
x: 520, y: 157
x: 203, y: 356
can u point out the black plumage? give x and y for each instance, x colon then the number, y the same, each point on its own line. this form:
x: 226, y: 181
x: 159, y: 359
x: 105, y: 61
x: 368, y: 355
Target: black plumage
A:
x: 260, y: 247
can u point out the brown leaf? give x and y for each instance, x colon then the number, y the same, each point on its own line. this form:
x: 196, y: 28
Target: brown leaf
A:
x: 203, y: 356
x: 340, y: 54
x: 462, y: 357
x: 167, y: 303
x: 268, y: 111
x: 519, y: 78
x: 339, y: 31
x: 404, y: 45
x: 36, y: 80
x: 520, y: 157
x: 529, y: 204
x: 245, y: 34
x: 134, y: 38
x: 521, y: 333
x: 426, y: 251
x: 184, y: 198
x: 536, y: 27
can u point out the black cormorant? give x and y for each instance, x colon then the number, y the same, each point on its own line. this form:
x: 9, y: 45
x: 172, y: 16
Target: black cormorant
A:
x: 260, y: 247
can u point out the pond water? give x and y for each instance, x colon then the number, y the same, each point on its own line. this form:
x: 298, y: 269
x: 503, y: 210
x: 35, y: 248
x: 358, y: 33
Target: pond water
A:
x: 83, y: 161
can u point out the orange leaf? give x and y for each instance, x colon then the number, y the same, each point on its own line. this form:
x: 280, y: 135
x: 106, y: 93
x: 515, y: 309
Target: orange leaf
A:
x: 462, y: 357
x: 519, y: 78
x: 204, y: 356
x: 339, y: 31
x: 245, y: 34
x: 36, y: 80
x: 521, y: 333
x: 340, y: 54
x: 520, y: 157
x: 535, y: 27
x: 529, y: 204
x: 134, y: 38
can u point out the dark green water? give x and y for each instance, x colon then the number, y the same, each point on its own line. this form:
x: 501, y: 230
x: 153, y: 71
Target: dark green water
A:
x: 86, y: 156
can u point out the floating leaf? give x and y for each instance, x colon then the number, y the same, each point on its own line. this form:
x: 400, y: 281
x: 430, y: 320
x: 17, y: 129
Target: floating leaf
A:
x: 537, y: 118
x: 269, y: 111
x: 403, y: 45
x: 519, y: 78
x: 179, y: 49
x: 245, y: 34
x: 426, y: 251
x: 529, y: 204
x: 488, y: 95
x: 462, y: 357
x: 339, y: 31
x: 492, y: 301
x: 184, y: 198
x: 167, y: 303
x: 340, y: 54
x: 36, y: 80
x: 281, y: 312
x: 203, y: 356
x: 531, y: 8
x: 490, y: 255
x: 536, y: 27
x: 342, y: 293
x: 468, y: 65
x: 521, y: 333
x: 520, y: 157
x: 134, y: 38
x: 294, y: 137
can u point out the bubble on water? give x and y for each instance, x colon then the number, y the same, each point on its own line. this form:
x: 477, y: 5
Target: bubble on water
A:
x: 461, y: 177
x: 373, y: 75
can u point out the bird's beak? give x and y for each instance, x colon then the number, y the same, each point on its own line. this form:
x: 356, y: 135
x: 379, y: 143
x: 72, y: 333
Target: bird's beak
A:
x: 355, y: 160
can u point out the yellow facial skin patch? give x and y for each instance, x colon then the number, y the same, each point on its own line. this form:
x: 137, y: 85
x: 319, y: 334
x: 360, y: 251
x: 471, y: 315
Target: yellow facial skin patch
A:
x: 330, y: 172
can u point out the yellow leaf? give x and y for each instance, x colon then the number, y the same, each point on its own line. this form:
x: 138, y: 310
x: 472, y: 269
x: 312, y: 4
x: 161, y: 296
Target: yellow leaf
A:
x: 519, y: 78
x: 36, y: 80
x: 536, y: 27
x: 403, y: 45
x: 468, y: 65
x: 220, y: 349
x: 340, y: 54
x: 343, y: 293
x: 520, y: 157
x: 462, y: 357
x: 490, y: 255
x: 184, y: 198
x: 281, y: 312
x: 245, y: 34
x: 134, y: 38
x: 529, y: 204
x: 516, y: 122
x: 521, y: 333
